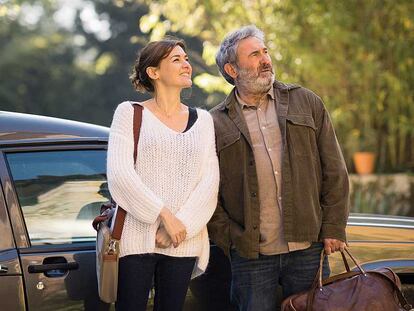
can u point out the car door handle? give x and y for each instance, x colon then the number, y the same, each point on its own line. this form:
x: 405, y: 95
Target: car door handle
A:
x: 4, y: 269
x: 53, y: 266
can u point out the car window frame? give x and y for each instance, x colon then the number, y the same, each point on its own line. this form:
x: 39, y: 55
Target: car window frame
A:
x: 7, y: 238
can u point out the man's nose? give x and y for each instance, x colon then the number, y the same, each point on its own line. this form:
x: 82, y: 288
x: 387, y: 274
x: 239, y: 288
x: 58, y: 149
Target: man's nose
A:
x: 266, y: 60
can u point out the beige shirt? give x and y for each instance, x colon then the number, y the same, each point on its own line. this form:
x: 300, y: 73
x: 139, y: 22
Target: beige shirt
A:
x: 266, y: 138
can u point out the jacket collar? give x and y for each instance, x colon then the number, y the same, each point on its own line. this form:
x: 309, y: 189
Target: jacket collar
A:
x: 281, y: 91
x: 236, y: 115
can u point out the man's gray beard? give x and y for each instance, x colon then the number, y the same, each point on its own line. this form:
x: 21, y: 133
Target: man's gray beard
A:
x: 253, y: 84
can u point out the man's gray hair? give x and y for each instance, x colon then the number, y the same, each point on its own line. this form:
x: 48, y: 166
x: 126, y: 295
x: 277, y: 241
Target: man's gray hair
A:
x: 227, y: 52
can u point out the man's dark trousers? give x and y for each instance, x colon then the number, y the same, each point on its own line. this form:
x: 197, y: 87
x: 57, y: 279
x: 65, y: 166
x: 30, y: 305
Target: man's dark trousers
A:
x: 255, y: 281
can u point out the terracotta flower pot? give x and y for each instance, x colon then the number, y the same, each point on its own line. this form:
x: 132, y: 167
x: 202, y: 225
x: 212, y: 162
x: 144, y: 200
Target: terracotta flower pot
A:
x: 364, y: 162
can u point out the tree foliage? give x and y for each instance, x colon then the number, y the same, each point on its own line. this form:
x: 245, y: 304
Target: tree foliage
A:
x: 357, y: 55
x: 76, y: 72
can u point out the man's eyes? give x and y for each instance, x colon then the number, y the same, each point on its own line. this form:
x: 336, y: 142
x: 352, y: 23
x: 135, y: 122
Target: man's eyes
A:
x: 257, y: 53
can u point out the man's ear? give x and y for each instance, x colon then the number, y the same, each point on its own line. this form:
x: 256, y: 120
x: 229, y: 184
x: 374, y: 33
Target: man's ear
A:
x: 152, y: 72
x: 230, y: 70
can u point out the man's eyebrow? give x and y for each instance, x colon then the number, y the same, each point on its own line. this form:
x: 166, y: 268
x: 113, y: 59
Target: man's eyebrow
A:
x: 258, y: 50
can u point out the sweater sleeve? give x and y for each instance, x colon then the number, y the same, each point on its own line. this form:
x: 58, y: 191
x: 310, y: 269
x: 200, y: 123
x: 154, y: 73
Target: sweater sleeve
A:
x: 125, y: 185
x: 200, y: 205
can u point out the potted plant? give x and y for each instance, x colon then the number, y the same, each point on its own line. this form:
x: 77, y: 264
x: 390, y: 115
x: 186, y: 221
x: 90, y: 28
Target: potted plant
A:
x: 363, y: 144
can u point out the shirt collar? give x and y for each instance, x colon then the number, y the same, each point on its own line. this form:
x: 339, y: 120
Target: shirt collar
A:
x: 270, y: 96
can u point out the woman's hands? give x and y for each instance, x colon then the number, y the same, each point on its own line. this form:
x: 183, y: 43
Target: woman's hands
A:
x: 162, y: 239
x: 173, y: 227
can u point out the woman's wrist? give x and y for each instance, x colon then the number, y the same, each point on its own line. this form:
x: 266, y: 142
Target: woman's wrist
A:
x: 164, y: 213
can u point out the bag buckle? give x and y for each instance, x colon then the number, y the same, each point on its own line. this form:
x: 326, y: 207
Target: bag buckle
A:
x: 113, y: 246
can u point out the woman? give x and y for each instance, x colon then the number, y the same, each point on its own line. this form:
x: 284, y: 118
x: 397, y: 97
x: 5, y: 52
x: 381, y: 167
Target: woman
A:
x: 171, y: 193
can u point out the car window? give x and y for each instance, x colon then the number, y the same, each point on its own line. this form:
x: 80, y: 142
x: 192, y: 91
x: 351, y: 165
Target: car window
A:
x: 60, y: 192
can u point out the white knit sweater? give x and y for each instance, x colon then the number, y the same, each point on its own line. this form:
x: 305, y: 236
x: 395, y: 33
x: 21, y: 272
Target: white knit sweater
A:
x: 175, y: 170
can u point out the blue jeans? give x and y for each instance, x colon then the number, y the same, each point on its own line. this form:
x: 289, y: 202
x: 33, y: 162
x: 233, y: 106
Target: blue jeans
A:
x: 171, y: 279
x: 255, y: 281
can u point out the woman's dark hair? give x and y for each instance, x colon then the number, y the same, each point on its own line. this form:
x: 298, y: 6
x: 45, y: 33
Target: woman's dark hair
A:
x: 151, y: 56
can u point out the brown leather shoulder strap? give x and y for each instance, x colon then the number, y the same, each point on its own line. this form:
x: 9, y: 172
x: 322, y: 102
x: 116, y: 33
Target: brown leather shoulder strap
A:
x: 137, y: 127
x: 121, y: 213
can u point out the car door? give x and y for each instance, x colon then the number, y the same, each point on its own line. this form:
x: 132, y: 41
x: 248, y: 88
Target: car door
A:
x: 11, y: 280
x: 55, y: 193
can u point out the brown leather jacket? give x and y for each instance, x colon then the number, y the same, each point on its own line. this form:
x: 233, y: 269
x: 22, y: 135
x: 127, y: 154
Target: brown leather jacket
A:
x: 315, y: 186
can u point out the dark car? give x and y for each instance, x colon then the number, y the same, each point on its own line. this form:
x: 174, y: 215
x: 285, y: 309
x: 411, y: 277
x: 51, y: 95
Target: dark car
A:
x: 52, y: 183
x: 53, y: 177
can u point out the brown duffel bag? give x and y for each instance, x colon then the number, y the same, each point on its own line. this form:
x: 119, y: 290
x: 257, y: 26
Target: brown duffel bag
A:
x: 376, y: 290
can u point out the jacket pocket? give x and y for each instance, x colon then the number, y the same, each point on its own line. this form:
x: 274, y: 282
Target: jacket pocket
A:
x: 230, y: 154
x: 301, y: 135
x: 302, y: 120
x: 227, y: 140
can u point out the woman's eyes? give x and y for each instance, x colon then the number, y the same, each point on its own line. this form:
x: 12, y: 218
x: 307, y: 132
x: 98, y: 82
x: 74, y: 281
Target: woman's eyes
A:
x: 177, y: 60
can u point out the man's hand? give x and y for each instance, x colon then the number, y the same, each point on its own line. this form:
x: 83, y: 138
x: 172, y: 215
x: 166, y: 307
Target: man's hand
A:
x: 174, y: 227
x: 162, y: 239
x: 333, y: 245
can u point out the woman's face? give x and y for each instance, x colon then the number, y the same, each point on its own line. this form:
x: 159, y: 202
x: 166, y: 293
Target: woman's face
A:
x: 175, y: 70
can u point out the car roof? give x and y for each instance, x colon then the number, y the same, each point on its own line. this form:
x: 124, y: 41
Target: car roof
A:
x: 18, y: 128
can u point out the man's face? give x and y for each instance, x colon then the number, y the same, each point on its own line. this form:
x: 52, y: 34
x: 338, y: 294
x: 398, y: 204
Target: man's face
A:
x: 254, y: 66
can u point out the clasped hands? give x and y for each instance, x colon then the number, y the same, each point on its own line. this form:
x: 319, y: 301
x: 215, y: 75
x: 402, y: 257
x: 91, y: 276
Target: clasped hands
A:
x: 171, y: 230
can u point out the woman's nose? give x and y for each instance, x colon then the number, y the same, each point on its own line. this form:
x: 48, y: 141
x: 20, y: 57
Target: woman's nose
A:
x: 186, y: 64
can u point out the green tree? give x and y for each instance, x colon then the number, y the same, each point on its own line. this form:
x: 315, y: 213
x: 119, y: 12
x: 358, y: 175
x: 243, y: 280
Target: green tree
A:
x: 75, y: 72
x: 38, y: 59
x: 358, y: 56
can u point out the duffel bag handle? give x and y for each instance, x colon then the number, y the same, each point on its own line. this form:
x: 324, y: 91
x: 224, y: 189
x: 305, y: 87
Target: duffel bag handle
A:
x: 318, y: 281
x: 318, y: 277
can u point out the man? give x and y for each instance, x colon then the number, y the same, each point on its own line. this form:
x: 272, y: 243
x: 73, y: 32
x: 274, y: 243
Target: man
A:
x: 284, y: 184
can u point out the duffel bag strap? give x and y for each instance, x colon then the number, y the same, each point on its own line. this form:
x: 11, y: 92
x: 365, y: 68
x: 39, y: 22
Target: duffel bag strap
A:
x: 403, y: 301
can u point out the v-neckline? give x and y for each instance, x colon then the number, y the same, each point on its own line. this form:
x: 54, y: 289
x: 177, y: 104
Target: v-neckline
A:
x: 166, y: 126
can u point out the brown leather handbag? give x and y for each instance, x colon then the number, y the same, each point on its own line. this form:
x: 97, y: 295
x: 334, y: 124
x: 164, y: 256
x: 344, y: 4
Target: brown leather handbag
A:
x: 107, y: 241
x: 377, y: 290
